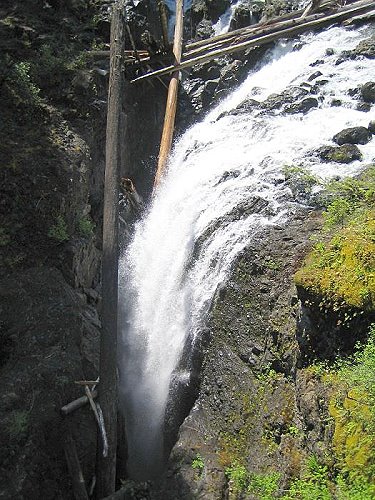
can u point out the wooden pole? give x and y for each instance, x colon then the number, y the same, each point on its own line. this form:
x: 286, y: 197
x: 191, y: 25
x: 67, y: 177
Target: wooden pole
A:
x: 297, y: 26
x: 171, y: 107
x: 106, y: 465
x: 164, y: 22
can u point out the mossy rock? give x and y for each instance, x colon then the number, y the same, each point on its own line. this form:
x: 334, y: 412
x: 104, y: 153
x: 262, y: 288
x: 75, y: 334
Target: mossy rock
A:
x: 342, y: 271
x: 341, y: 154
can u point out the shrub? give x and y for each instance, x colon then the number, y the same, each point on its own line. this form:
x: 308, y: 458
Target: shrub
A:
x: 86, y: 226
x: 198, y: 464
x: 59, y: 230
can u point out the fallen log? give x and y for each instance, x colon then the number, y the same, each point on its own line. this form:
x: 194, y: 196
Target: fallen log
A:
x: 310, y: 22
x: 171, y: 107
x: 360, y: 19
x: 77, y: 403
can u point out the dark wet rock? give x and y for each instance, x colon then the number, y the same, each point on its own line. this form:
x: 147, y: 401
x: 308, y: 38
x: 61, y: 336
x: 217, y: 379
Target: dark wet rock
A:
x: 371, y: 127
x: 290, y: 95
x: 243, y: 108
x: 366, y: 48
x: 340, y: 154
x: 246, y: 14
x: 303, y: 106
x: 274, y: 8
x: 336, y: 103
x: 229, y: 175
x: 206, y: 71
x: 330, y: 51
x: 364, y: 107
x: 208, y: 9
x: 314, y: 76
x: 229, y: 73
x: 241, y: 17
x: 353, y: 135
x: 318, y: 62
x: 204, y: 29
x: 368, y: 92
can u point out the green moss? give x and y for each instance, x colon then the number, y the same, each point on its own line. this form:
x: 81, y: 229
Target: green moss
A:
x: 342, y: 270
x: 352, y: 407
x: 300, y: 180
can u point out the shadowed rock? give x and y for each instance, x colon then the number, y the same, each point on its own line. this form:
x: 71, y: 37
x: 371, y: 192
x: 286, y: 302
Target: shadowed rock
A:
x: 353, y: 135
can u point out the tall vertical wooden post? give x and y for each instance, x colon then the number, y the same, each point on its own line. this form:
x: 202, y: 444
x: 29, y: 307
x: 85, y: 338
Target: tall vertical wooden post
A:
x: 106, y: 465
x: 164, y: 22
x: 170, y: 112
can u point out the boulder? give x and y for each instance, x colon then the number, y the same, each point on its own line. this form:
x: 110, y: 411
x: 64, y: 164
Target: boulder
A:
x: 302, y: 106
x: 241, y: 17
x: 290, y: 95
x: 366, y: 48
x: 371, y: 126
x: 368, y: 92
x: 353, y: 135
x: 341, y: 154
x: 204, y: 29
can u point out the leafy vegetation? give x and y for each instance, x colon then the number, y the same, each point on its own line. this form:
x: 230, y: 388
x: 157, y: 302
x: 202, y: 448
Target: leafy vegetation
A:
x: 198, y: 464
x: 342, y: 269
x: 59, y: 230
x: 86, y: 226
x: 313, y: 485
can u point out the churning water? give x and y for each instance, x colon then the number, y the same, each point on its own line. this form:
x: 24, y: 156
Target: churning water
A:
x: 168, y: 280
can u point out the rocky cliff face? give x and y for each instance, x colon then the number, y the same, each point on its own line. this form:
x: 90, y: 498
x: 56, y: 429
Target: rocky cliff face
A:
x: 52, y: 136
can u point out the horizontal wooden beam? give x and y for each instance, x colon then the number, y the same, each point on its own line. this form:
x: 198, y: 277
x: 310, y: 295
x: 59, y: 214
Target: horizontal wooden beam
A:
x: 287, y: 29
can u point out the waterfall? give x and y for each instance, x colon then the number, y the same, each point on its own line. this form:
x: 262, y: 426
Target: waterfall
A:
x: 200, y: 220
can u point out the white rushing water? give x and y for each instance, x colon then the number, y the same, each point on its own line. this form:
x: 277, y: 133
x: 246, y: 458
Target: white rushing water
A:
x: 217, y: 165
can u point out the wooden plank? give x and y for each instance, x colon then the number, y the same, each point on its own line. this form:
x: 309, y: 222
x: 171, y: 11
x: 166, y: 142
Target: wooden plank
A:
x: 106, y: 465
x: 171, y: 107
x: 310, y: 22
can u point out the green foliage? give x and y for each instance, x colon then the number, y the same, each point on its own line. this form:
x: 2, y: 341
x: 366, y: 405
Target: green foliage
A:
x: 337, y: 212
x: 86, y: 226
x: 354, y: 487
x: 313, y: 485
x: 198, y: 464
x: 59, y: 230
x: 23, y: 84
x: 238, y: 476
x: 264, y: 485
x: 293, y: 430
